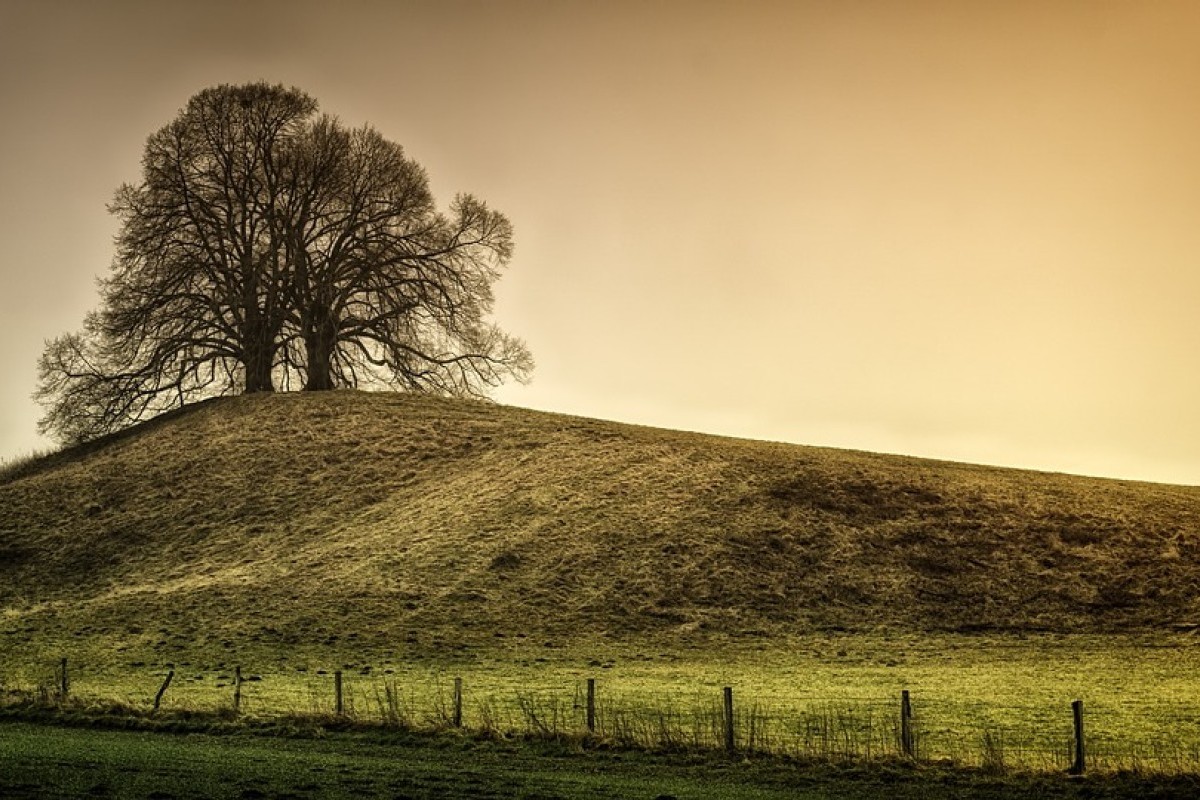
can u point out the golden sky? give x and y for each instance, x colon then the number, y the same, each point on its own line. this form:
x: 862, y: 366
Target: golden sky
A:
x: 964, y: 230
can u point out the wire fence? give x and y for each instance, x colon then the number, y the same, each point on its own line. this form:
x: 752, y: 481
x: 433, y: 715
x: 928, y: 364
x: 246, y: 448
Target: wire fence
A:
x: 1159, y: 737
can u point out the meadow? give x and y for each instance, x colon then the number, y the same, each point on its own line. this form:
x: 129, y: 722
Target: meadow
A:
x: 56, y: 762
x: 407, y: 541
x: 998, y: 703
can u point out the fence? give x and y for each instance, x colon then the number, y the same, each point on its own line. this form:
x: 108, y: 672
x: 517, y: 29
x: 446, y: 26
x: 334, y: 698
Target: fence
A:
x: 909, y: 725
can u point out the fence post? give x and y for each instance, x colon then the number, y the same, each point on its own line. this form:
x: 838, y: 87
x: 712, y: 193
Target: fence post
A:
x: 730, y: 743
x: 591, y: 705
x: 906, y: 731
x: 64, y: 682
x: 1079, y: 763
x: 162, y: 689
x: 237, y: 690
x: 339, y: 707
x: 458, y: 702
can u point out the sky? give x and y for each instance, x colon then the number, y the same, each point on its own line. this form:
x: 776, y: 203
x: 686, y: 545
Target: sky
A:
x: 965, y: 230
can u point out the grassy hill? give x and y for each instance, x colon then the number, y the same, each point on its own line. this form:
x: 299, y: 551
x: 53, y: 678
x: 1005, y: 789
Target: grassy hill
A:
x: 309, y: 521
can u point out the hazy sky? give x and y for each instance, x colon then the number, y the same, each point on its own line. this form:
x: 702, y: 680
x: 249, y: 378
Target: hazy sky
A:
x: 965, y: 230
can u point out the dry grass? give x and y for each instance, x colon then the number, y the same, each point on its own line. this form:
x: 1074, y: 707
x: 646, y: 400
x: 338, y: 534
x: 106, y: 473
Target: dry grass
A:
x: 370, y: 522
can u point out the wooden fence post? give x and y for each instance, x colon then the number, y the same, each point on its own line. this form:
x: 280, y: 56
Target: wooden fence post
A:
x: 906, y: 731
x: 591, y: 705
x: 458, y: 702
x: 1079, y: 763
x: 237, y: 690
x: 339, y: 706
x: 64, y: 683
x: 162, y: 689
x: 730, y: 743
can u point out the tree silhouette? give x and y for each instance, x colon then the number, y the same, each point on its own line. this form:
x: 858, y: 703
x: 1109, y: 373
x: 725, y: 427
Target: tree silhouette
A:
x: 269, y: 247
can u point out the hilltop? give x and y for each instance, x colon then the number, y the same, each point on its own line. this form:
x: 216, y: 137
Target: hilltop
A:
x: 299, y: 521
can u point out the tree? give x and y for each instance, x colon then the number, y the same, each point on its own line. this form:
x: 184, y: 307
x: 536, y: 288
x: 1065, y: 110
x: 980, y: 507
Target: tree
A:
x: 267, y: 246
x: 383, y: 285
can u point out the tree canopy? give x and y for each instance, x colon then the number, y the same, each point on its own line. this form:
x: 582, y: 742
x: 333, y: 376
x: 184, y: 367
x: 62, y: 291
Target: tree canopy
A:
x: 269, y: 247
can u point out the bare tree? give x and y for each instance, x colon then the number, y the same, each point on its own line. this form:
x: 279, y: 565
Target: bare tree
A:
x: 198, y: 270
x: 266, y: 246
x: 384, y: 286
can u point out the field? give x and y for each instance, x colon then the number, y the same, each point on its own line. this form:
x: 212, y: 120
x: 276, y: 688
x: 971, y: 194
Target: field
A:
x: 44, y: 762
x: 407, y: 541
x: 1001, y: 703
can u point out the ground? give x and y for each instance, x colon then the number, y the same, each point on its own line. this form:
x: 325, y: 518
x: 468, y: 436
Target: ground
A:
x: 43, y: 761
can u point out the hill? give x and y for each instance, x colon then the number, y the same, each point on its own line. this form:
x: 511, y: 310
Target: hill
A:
x: 299, y: 521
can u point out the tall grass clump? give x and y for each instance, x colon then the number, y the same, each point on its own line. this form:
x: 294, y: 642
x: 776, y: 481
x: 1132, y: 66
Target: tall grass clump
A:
x: 394, y: 712
x: 992, y: 755
x: 544, y: 717
x: 842, y: 732
x: 19, y: 465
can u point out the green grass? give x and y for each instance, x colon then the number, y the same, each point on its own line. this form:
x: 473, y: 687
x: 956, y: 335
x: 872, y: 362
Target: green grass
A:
x: 978, y: 700
x: 141, y: 765
x: 428, y: 538
x: 54, y: 762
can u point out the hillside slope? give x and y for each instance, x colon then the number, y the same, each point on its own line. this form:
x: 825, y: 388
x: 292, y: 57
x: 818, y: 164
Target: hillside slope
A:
x: 304, y: 519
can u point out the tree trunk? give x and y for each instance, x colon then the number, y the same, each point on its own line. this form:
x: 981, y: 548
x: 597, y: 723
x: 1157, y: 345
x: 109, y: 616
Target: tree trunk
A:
x: 257, y: 338
x: 319, y: 342
x: 257, y: 362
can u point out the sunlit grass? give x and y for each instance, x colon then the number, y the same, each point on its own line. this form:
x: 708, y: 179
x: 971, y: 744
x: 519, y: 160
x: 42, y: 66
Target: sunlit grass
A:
x: 999, y: 703
x: 300, y: 522
x: 406, y: 541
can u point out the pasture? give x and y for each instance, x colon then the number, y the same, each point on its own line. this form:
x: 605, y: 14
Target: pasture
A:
x: 994, y: 702
x: 49, y: 762
x: 406, y: 542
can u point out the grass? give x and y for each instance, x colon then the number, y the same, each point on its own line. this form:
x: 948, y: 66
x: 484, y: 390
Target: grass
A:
x: 997, y: 702
x: 406, y: 540
x: 50, y: 762
x: 18, y: 465
x: 299, y: 522
x: 110, y: 764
